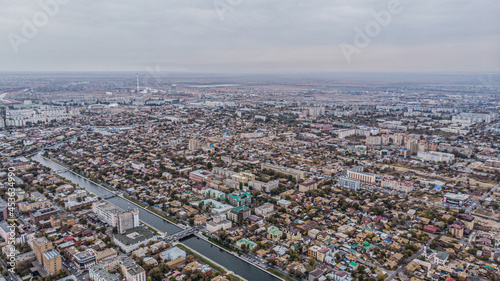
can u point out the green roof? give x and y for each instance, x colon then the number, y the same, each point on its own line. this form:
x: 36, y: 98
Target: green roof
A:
x: 367, y: 245
x: 241, y: 196
x: 353, y: 264
x: 239, y: 209
x: 274, y: 231
x: 249, y: 243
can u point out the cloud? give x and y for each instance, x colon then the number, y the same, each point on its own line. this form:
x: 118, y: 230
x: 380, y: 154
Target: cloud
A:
x: 253, y: 36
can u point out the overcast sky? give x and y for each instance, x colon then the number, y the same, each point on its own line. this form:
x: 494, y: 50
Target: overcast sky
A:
x: 255, y: 36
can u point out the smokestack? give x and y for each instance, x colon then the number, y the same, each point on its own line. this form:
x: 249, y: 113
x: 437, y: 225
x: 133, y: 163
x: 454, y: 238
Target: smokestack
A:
x: 137, y: 82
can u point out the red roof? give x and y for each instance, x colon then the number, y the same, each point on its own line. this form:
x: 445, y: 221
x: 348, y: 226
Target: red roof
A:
x: 68, y: 238
x: 430, y: 228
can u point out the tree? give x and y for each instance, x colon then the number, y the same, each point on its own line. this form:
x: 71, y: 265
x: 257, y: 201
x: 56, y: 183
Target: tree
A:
x: 156, y: 274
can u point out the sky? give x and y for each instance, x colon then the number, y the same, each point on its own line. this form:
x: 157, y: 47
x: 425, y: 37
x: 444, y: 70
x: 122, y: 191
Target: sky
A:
x: 251, y: 36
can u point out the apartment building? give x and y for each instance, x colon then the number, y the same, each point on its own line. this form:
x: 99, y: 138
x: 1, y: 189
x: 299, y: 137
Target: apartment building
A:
x: 239, y: 214
x: 436, y: 156
x: 263, y: 186
x: 129, y: 269
x: 218, y: 223
x: 362, y: 177
x: 52, y: 262
x: 402, y: 186
x: 308, y: 186
x: 264, y: 210
x: 345, y: 182
x: 297, y: 174
x: 116, y: 217
x: 240, y: 199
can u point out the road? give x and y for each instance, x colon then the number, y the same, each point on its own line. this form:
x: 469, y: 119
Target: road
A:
x: 473, y: 207
x: 10, y: 276
x: 400, y: 269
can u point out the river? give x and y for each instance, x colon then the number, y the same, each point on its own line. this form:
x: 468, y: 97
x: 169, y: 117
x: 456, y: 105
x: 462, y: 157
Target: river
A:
x: 221, y: 257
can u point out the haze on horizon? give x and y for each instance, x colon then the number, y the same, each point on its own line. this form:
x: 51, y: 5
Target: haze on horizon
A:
x: 250, y: 36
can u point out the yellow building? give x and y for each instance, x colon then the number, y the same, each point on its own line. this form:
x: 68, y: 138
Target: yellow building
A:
x: 40, y: 246
x: 26, y: 206
x: 52, y: 261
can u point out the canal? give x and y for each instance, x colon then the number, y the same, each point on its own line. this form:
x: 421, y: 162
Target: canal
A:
x: 221, y: 257
x: 227, y: 260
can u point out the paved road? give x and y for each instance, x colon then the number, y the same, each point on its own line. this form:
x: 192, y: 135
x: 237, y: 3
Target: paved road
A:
x: 416, y: 255
x: 474, y: 206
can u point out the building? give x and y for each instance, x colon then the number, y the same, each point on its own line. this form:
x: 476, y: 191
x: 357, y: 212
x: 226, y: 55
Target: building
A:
x: 218, y: 223
x: 116, y: 217
x: 25, y: 259
x: 456, y: 199
x: 194, y: 144
x: 473, y: 117
x: 215, y: 194
x: 62, y: 218
x: 239, y: 214
x: 344, y: 133
x: 273, y: 233
x: 6, y: 231
x: 457, y: 231
x: 248, y: 244
x: 264, y: 210
x: 4, y: 214
x: 293, y: 233
x: 34, y: 114
x: 467, y: 219
x: 223, y: 171
x: 263, y: 186
x: 492, y: 163
x: 436, y: 156
x: 40, y: 202
x: 173, y: 253
x: 129, y: 270
x: 40, y: 246
x: 313, y: 251
x: 52, y: 262
x: 243, y: 177
x: 401, y: 186
x: 133, y: 238
x: 308, y: 186
x: 349, y: 183
x: 436, y: 257
x: 85, y: 259
x: 357, y: 149
x: 217, y: 207
x: 240, y: 199
x: 105, y: 254
x: 200, y: 175
x: 297, y: 174
x: 43, y: 214
x: 357, y: 174
x: 430, y: 229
